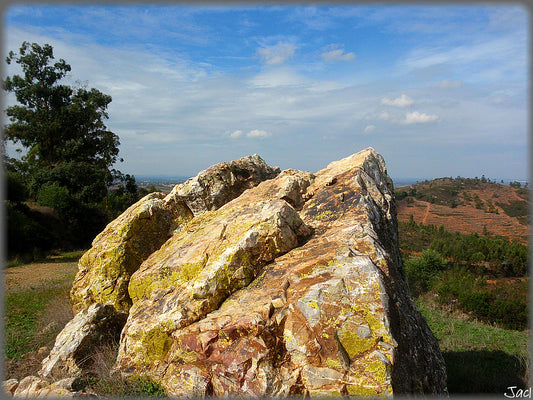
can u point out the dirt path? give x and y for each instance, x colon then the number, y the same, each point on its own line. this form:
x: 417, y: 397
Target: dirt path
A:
x: 38, y: 274
x: 426, y: 214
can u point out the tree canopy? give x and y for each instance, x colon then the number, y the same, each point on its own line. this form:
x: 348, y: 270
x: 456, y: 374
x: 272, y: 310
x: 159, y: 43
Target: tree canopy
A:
x: 61, y: 127
x: 69, y: 153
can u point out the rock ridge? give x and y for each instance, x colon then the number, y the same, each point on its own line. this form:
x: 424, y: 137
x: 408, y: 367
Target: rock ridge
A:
x: 264, y: 283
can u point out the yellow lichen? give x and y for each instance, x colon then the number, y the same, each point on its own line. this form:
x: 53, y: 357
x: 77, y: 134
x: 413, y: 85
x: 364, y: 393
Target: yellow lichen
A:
x: 353, y: 344
x: 333, y: 364
x: 314, y: 304
x: 185, y: 356
x: 373, y: 323
x: 378, y: 369
x: 151, y: 345
x: 355, y: 390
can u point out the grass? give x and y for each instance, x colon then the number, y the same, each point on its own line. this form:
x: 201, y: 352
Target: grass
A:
x: 480, y: 358
x: 62, y: 257
x: 34, y: 315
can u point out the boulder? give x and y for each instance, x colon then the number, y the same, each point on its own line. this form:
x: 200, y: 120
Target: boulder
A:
x: 293, y: 288
x: 251, y: 282
x: 33, y: 386
x: 217, y: 185
x: 216, y: 254
x: 105, y: 269
x: 97, y: 325
x: 116, y: 253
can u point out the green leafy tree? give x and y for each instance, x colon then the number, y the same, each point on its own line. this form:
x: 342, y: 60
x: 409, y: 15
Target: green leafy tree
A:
x: 421, y: 271
x: 69, y: 151
x: 61, y: 127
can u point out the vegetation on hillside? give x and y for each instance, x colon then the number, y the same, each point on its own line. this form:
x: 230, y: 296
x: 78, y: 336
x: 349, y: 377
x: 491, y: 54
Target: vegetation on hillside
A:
x: 59, y: 191
x: 472, y: 288
x: 453, y: 192
x: 457, y: 268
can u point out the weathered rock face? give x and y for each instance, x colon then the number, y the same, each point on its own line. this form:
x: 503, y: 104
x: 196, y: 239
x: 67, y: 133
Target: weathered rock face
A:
x: 117, y: 252
x: 33, y: 386
x: 215, y: 186
x: 292, y: 287
x: 105, y: 269
x: 98, y: 324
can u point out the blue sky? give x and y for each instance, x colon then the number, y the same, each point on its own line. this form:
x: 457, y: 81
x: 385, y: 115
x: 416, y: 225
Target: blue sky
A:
x: 438, y: 90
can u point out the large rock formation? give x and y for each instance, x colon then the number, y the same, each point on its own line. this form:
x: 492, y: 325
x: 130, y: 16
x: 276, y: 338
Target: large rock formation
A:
x: 292, y: 287
x: 117, y: 252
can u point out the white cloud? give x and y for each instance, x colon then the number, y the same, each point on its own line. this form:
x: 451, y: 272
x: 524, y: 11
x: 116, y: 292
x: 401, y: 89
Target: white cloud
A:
x: 384, y: 115
x: 402, y: 101
x: 279, y: 76
x: 450, y: 84
x: 277, y: 54
x: 370, y: 129
x: 257, y: 133
x: 337, y: 55
x: 416, y: 117
x: 236, y: 134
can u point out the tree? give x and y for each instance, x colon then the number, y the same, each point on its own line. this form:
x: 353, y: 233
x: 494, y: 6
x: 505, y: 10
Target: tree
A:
x: 69, y: 150
x: 61, y: 127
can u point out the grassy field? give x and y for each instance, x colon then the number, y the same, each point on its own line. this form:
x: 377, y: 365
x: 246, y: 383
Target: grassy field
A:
x: 36, y: 308
x: 35, y: 311
x: 480, y: 358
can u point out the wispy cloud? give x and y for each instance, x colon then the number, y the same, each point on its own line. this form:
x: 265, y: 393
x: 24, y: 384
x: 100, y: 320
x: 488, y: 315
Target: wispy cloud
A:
x: 277, y: 77
x: 402, y: 101
x: 193, y: 83
x: 333, y: 53
x: 258, y: 133
x: 450, y: 84
x: 235, y: 134
x: 276, y: 54
x: 416, y: 117
x: 369, y: 129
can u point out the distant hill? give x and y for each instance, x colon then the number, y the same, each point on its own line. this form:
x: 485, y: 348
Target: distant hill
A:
x: 467, y: 205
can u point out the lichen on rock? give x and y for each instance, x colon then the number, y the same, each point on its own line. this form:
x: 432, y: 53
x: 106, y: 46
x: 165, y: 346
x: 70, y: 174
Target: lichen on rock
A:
x: 291, y: 286
x: 116, y: 253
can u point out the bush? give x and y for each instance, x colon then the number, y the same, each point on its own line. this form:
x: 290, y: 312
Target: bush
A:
x: 26, y: 236
x: 502, y: 304
x: 420, y: 271
x: 16, y: 187
x: 56, y: 196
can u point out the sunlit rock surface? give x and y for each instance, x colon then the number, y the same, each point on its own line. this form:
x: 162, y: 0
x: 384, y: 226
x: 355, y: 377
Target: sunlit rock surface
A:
x: 291, y: 286
x: 117, y: 252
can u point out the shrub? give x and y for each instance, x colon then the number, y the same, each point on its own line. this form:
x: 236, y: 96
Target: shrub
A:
x: 501, y: 304
x: 55, y: 196
x: 420, y: 271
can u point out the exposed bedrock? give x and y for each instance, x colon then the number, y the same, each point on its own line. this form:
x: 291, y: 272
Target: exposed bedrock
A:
x: 245, y: 281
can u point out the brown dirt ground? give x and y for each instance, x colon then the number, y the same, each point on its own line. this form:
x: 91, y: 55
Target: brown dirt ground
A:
x: 37, y: 274
x: 466, y: 218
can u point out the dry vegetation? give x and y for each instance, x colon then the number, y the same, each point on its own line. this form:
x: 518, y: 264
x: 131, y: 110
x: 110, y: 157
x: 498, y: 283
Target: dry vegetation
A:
x: 466, y: 207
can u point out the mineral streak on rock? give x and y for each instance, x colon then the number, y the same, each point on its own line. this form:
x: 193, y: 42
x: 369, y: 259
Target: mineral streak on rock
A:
x: 291, y: 287
x: 117, y: 252
x: 97, y: 325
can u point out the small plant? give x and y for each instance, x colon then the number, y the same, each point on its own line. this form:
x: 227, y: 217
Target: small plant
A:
x: 420, y: 271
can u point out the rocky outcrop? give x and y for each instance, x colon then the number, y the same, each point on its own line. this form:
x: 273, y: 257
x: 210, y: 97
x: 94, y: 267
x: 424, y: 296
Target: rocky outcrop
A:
x: 292, y: 287
x: 117, y: 252
x: 97, y: 325
x: 33, y: 386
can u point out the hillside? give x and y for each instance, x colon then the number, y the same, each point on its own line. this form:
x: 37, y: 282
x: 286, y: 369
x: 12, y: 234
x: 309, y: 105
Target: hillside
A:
x: 467, y: 205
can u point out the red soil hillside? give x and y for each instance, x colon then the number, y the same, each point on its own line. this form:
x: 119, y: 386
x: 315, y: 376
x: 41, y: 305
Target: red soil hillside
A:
x: 467, y: 206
